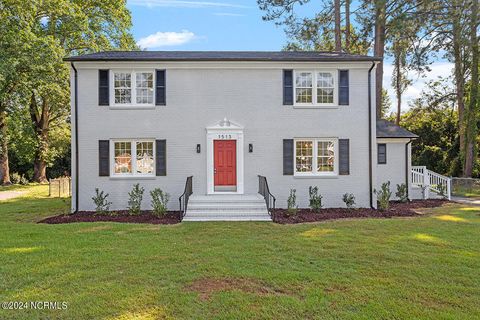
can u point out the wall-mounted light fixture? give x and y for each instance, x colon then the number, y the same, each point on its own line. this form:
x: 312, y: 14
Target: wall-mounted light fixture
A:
x: 250, y: 147
x: 198, y: 148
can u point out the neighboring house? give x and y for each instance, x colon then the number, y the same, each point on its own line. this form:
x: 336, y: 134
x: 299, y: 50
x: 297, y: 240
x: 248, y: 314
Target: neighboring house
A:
x: 299, y: 119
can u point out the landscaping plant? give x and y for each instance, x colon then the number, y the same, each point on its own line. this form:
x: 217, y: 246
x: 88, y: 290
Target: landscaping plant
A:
x: 383, y: 196
x: 442, y: 192
x: 17, y: 178
x: 401, y: 193
x: 102, y: 205
x: 135, y: 199
x: 159, y: 201
x: 349, y: 200
x: 315, y: 199
x: 292, y: 202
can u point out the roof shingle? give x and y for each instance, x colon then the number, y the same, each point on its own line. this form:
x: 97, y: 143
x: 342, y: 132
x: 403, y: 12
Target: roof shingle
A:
x: 386, y: 129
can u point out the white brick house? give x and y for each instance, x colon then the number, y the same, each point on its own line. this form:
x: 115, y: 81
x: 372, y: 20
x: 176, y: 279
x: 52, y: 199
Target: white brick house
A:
x: 299, y: 119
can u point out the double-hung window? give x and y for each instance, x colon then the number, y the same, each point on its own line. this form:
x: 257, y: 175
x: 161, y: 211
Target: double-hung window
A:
x: 133, y: 157
x: 316, y: 156
x: 133, y: 88
x: 315, y: 88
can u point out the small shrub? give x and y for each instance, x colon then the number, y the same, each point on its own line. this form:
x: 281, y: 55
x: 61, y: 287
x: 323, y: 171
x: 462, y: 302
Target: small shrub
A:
x: 102, y: 205
x: 383, y: 196
x: 401, y: 193
x: 349, y: 200
x: 23, y: 180
x: 135, y: 199
x: 442, y: 191
x: 159, y: 201
x: 292, y: 202
x: 15, y: 178
x: 315, y: 199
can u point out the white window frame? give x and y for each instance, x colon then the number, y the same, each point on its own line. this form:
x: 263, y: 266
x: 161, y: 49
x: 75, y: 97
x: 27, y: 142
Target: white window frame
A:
x: 314, y: 103
x: 133, y: 158
x: 133, y: 76
x: 314, y: 172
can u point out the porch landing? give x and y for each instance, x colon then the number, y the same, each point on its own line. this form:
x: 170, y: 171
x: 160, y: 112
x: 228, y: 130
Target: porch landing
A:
x: 226, y: 207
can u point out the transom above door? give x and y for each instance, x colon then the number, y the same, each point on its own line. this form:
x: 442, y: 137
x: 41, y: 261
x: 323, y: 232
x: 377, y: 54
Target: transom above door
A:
x: 225, y: 165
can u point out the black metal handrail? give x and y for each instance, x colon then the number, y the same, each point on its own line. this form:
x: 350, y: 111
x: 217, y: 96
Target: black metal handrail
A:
x: 265, y: 192
x: 183, y: 199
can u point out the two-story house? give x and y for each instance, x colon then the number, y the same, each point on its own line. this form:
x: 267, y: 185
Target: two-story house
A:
x: 242, y: 125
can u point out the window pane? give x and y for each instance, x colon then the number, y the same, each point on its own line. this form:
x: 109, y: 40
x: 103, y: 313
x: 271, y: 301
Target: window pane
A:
x: 325, y: 87
x: 325, y: 156
x: 123, y: 157
x: 304, y: 156
x: 122, y: 88
x: 145, y: 160
x: 144, y: 87
x: 304, y: 87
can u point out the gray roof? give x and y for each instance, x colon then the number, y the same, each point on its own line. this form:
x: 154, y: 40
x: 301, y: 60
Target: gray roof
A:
x: 386, y: 129
x: 307, y: 56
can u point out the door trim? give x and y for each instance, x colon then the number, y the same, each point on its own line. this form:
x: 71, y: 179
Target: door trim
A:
x: 225, y: 130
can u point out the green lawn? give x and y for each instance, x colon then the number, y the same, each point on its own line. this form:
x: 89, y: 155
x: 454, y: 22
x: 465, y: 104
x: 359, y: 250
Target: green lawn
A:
x: 416, y: 268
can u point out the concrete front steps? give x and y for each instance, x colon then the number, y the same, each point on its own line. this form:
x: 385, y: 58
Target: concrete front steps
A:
x: 222, y: 207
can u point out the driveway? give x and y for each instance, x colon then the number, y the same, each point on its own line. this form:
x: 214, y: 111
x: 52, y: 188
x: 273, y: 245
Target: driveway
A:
x: 5, y: 195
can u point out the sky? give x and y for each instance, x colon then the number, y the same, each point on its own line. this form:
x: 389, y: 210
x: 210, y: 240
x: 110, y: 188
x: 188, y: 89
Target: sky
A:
x: 231, y: 25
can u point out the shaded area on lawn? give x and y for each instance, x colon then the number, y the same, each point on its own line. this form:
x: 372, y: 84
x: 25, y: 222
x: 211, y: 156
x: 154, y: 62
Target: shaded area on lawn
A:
x: 397, y: 209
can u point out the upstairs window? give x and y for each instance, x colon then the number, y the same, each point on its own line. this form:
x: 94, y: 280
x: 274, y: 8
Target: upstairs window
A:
x: 133, y: 88
x: 315, y: 88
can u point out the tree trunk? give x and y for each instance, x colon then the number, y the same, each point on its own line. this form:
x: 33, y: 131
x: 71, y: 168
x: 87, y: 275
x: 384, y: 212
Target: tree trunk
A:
x: 41, y: 121
x: 347, y: 25
x: 471, y: 121
x: 338, y: 30
x: 398, y: 85
x: 379, y: 50
x: 459, y: 83
x: 4, y: 169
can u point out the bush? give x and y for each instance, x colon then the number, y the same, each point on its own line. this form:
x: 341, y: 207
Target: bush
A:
x: 383, y: 196
x: 102, y: 206
x: 349, y: 200
x: 159, y: 201
x: 442, y: 191
x: 401, y: 193
x: 15, y: 178
x: 315, y: 199
x: 292, y: 202
x: 135, y: 199
x: 23, y: 180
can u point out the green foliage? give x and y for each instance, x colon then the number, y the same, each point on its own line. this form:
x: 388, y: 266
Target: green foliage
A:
x: 135, y: 199
x: 442, y: 191
x: 17, y: 178
x: 315, y: 199
x: 292, y: 202
x: 401, y: 193
x: 102, y: 206
x: 349, y: 200
x: 383, y: 196
x: 159, y: 201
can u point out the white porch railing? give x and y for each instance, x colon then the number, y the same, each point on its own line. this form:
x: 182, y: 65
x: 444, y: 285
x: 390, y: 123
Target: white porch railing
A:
x: 431, y: 181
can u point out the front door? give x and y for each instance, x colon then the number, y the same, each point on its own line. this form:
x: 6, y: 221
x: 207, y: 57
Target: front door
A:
x: 225, y: 165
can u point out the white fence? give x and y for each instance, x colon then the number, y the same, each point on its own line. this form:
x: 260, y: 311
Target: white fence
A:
x: 431, y: 181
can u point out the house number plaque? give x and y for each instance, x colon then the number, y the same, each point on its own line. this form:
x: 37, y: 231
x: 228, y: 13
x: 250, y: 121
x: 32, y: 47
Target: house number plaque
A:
x: 225, y: 136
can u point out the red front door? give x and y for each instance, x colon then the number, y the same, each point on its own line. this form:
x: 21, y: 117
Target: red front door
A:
x: 225, y: 162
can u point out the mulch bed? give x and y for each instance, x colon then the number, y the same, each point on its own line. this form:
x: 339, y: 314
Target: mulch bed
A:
x: 171, y: 217
x: 397, y: 209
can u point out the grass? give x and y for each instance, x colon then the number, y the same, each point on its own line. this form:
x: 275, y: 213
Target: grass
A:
x: 466, y: 192
x: 423, y: 268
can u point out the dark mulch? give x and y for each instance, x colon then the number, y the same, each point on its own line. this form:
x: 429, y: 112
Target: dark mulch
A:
x: 171, y: 217
x: 397, y: 209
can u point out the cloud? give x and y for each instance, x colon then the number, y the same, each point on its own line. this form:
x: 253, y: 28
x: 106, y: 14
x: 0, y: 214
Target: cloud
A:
x: 165, y: 39
x: 184, y: 4
x: 438, y: 69
x: 228, y: 14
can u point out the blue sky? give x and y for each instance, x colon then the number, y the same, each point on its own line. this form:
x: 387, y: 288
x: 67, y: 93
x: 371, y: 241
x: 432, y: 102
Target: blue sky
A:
x: 228, y: 25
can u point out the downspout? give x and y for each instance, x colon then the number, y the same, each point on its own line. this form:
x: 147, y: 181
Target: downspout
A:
x: 75, y: 102
x: 407, y: 173
x: 370, y: 168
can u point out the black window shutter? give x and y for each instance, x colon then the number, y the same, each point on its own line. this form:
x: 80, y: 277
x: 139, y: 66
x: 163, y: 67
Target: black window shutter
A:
x: 382, y: 153
x: 344, y: 156
x: 287, y: 87
x: 103, y: 88
x: 161, y: 157
x: 103, y: 158
x: 287, y: 157
x: 343, y: 88
x: 160, y: 86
